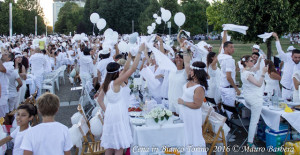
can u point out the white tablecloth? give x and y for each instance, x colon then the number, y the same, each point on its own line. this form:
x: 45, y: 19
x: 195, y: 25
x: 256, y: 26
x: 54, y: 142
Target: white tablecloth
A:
x: 147, y: 138
x: 272, y: 117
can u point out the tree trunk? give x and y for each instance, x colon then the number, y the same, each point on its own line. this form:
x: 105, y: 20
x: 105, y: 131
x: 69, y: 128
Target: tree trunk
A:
x: 269, y: 53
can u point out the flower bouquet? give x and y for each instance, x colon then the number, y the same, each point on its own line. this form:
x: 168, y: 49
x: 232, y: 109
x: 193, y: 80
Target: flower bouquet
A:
x: 158, y: 115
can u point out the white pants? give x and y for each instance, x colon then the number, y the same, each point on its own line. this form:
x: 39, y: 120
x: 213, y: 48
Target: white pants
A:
x: 39, y: 83
x: 228, y: 96
x: 13, y: 103
x: 255, y: 103
x: 286, y: 94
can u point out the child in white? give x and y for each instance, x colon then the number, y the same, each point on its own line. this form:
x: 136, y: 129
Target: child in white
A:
x: 25, y: 114
x: 49, y: 137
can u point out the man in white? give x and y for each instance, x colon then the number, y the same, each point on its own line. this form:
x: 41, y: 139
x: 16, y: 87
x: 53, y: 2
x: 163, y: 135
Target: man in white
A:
x: 227, y: 85
x: 6, y: 68
x: 38, y: 67
x: 101, y: 67
x: 291, y: 64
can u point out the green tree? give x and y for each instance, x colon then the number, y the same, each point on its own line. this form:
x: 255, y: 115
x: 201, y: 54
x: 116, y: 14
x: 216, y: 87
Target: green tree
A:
x: 196, y: 20
x: 260, y: 16
x: 146, y: 17
x: 215, y: 15
x: 69, y: 17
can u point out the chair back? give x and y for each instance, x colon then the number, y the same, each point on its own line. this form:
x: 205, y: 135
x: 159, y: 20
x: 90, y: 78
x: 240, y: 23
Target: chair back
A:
x: 206, y: 110
x: 217, y: 121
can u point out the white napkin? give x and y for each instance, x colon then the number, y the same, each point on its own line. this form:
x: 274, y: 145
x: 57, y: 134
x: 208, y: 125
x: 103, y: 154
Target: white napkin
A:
x: 265, y: 36
x: 236, y: 28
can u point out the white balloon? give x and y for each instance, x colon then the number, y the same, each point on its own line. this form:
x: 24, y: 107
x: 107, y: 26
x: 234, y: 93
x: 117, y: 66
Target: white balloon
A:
x: 158, y: 21
x: 101, y: 23
x: 153, y: 25
x: 133, y: 38
x: 94, y: 18
x: 162, y: 10
x: 155, y: 15
x: 149, y: 27
x: 149, y: 32
x: 179, y: 19
x: 108, y: 33
x: 166, y: 15
x: 82, y: 35
x: 123, y: 47
x: 115, y: 37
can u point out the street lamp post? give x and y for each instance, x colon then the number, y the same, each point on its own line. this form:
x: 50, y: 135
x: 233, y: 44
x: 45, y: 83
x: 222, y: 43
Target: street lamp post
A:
x: 10, y: 19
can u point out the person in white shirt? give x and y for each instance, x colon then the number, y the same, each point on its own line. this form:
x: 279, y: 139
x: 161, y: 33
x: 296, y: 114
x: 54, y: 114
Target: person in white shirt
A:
x: 101, y: 67
x: 6, y: 69
x: 38, y: 67
x: 13, y: 98
x: 227, y: 86
x: 48, y: 137
x: 86, y: 66
x: 291, y: 64
x: 24, y: 115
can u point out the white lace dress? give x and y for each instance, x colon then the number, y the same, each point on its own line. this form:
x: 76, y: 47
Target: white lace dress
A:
x: 116, y: 129
x: 192, y: 119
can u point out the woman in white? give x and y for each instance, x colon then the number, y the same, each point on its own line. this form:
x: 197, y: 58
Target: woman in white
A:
x: 176, y: 80
x: 116, y: 134
x: 86, y: 67
x: 272, y: 79
x: 213, y: 82
x: 20, y: 68
x: 190, y: 111
x: 253, y: 97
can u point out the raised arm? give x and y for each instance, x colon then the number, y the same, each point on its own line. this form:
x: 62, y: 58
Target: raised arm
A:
x: 127, y: 64
x: 117, y: 50
x: 186, y: 58
x: 257, y: 67
x: 178, y: 36
x: 128, y: 73
x: 282, y: 55
x: 161, y: 44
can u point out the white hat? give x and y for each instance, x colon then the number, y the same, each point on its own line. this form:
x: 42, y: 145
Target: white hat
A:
x: 104, y: 51
x: 256, y: 46
x: 290, y: 48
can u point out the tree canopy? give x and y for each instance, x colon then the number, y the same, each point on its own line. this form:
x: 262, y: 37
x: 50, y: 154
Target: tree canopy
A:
x: 24, y: 12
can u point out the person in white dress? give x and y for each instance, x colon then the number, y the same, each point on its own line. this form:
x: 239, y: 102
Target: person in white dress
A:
x: 272, y: 79
x: 22, y: 73
x: 251, y: 91
x: 116, y: 134
x: 213, y: 74
x: 86, y: 66
x: 190, y: 107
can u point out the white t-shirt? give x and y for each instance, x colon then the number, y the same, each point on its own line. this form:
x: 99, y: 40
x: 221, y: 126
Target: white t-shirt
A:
x: 47, y: 138
x: 18, y: 138
x: 38, y: 64
x: 12, y: 88
x: 4, y: 77
x: 102, y: 67
x: 227, y: 65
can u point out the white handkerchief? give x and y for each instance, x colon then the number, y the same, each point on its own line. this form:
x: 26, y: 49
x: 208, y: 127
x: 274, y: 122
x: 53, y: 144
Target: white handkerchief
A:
x: 228, y: 36
x: 162, y: 60
x: 236, y: 28
x: 187, y: 33
x: 265, y: 36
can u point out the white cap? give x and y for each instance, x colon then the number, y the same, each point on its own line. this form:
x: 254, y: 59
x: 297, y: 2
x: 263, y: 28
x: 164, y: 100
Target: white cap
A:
x: 256, y: 46
x: 290, y: 48
x: 104, y: 51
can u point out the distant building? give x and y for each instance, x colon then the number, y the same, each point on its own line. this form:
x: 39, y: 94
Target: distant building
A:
x: 57, y: 5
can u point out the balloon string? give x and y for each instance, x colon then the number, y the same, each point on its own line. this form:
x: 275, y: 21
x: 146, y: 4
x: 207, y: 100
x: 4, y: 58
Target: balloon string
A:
x: 164, y: 28
x: 93, y: 28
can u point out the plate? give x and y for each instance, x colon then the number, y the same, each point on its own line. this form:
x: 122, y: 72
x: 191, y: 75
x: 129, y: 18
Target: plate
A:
x: 135, y: 114
x: 138, y: 121
x: 293, y: 103
x: 175, y: 118
x: 275, y: 108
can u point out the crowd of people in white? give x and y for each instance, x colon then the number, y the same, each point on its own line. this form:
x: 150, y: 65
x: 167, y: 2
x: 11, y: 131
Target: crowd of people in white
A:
x: 193, y: 75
